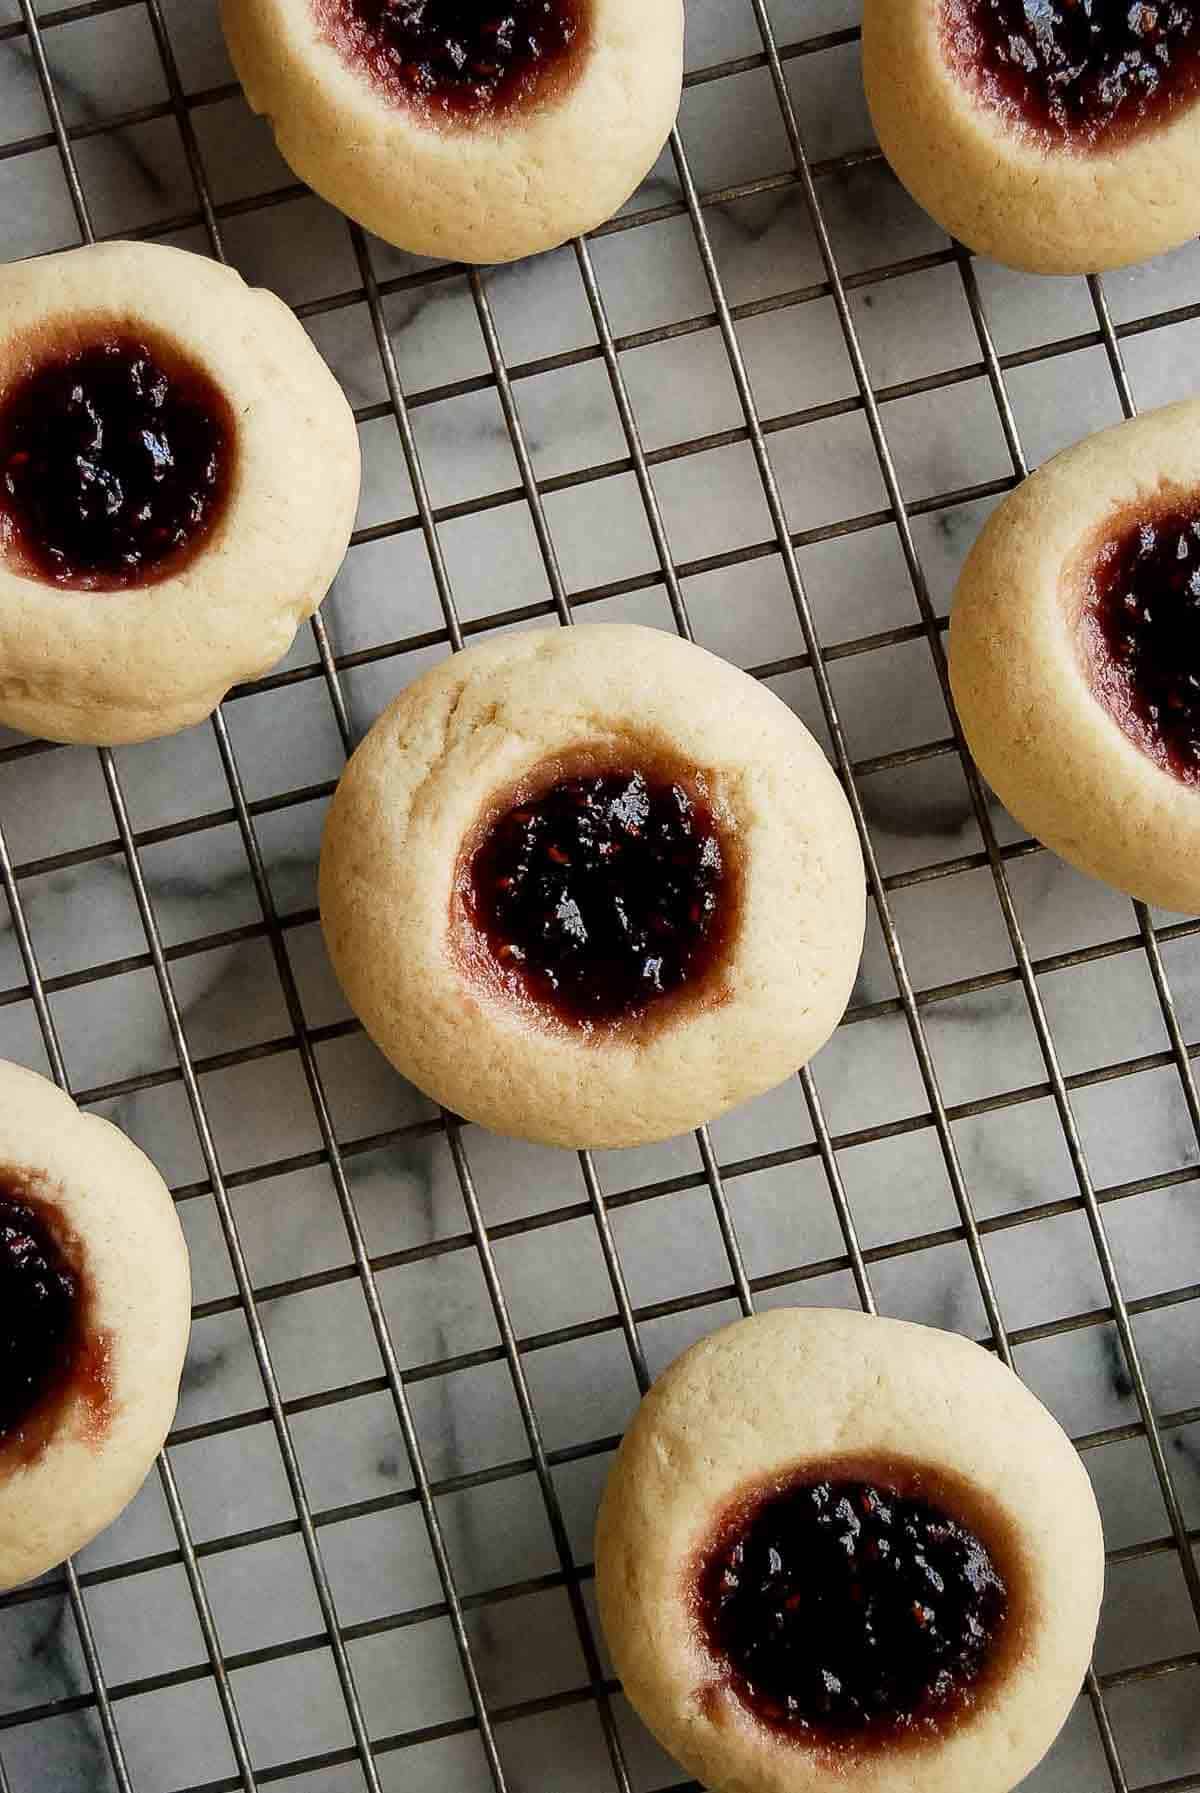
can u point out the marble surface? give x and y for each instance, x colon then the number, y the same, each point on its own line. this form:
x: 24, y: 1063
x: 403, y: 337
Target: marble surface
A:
x: 943, y: 429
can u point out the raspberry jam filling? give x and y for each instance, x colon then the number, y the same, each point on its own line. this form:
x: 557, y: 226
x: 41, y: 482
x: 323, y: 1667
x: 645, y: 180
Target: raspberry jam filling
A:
x: 850, y: 1612
x: 1141, y: 623
x: 1078, y: 73
x: 459, y: 58
x: 115, y: 464
x: 603, y: 895
x: 48, y: 1353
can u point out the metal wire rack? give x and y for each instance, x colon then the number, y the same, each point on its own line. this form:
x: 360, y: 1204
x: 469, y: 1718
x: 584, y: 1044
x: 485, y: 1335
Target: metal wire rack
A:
x: 359, y: 1751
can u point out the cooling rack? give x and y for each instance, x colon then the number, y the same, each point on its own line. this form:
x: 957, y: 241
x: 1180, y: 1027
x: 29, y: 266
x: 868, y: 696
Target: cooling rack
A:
x: 345, y: 1575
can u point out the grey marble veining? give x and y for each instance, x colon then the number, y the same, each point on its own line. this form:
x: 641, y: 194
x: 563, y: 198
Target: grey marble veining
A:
x: 915, y: 328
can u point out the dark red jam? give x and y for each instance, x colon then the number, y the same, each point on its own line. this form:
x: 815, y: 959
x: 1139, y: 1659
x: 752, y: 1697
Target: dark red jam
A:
x: 1143, y: 617
x: 459, y: 58
x: 845, y: 1613
x: 1078, y: 72
x: 115, y: 463
x: 603, y: 895
x: 44, y: 1351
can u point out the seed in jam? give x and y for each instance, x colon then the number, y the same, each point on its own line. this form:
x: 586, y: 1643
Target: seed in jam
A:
x: 847, y: 1613
x: 41, y: 1313
x: 1078, y: 73
x: 115, y: 464
x: 603, y: 895
x: 459, y: 59
x: 1143, y: 619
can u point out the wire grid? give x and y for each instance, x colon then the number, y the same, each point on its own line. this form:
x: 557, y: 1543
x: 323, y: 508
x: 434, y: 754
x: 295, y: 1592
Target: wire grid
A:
x: 369, y: 1750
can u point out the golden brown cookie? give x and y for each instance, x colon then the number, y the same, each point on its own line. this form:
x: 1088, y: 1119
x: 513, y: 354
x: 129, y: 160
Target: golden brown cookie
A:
x: 95, y: 1306
x: 461, y: 131
x: 1075, y: 655
x: 178, y: 480
x: 592, y: 886
x: 1061, y: 138
x: 838, y: 1553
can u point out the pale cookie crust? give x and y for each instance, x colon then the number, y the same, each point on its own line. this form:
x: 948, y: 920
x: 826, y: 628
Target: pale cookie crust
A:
x: 468, y: 732
x: 485, y: 192
x: 1050, y: 750
x: 112, y: 1200
x: 111, y: 667
x: 804, y: 1386
x: 991, y: 184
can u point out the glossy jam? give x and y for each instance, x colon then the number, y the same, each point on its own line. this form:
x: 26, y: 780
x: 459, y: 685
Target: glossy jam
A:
x: 115, y: 463
x: 459, y: 59
x: 1078, y: 72
x: 42, y: 1301
x: 603, y: 895
x: 1142, y: 621
x: 846, y: 1613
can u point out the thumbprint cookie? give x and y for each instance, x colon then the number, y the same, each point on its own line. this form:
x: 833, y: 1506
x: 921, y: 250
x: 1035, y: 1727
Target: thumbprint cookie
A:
x: 467, y: 132
x: 1075, y: 655
x: 179, y: 475
x: 1059, y: 136
x: 592, y: 886
x: 95, y: 1306
x: 838, y: 1552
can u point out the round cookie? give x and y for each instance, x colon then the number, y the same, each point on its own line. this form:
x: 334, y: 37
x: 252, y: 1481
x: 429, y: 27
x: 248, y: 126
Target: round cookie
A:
x: 592, y: 886
x: 1075, y: 655
x: 1062, y: 139
x: 460, y: 132
x: 95, y: 1307
x: 838, y: 1552
x: 179, y: 475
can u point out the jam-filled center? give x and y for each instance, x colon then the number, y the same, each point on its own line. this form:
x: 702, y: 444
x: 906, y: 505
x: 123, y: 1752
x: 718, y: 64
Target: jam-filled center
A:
x: 115, y: 463
x: 846, y: 1612
x: 458, y: 57
x: 1079, y: 72
x: 1141, y: 622
x: 41, y: 1312
x: 602, y: 895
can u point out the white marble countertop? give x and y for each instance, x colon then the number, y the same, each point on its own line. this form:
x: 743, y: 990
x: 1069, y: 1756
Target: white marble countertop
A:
x: 518, y: 1545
